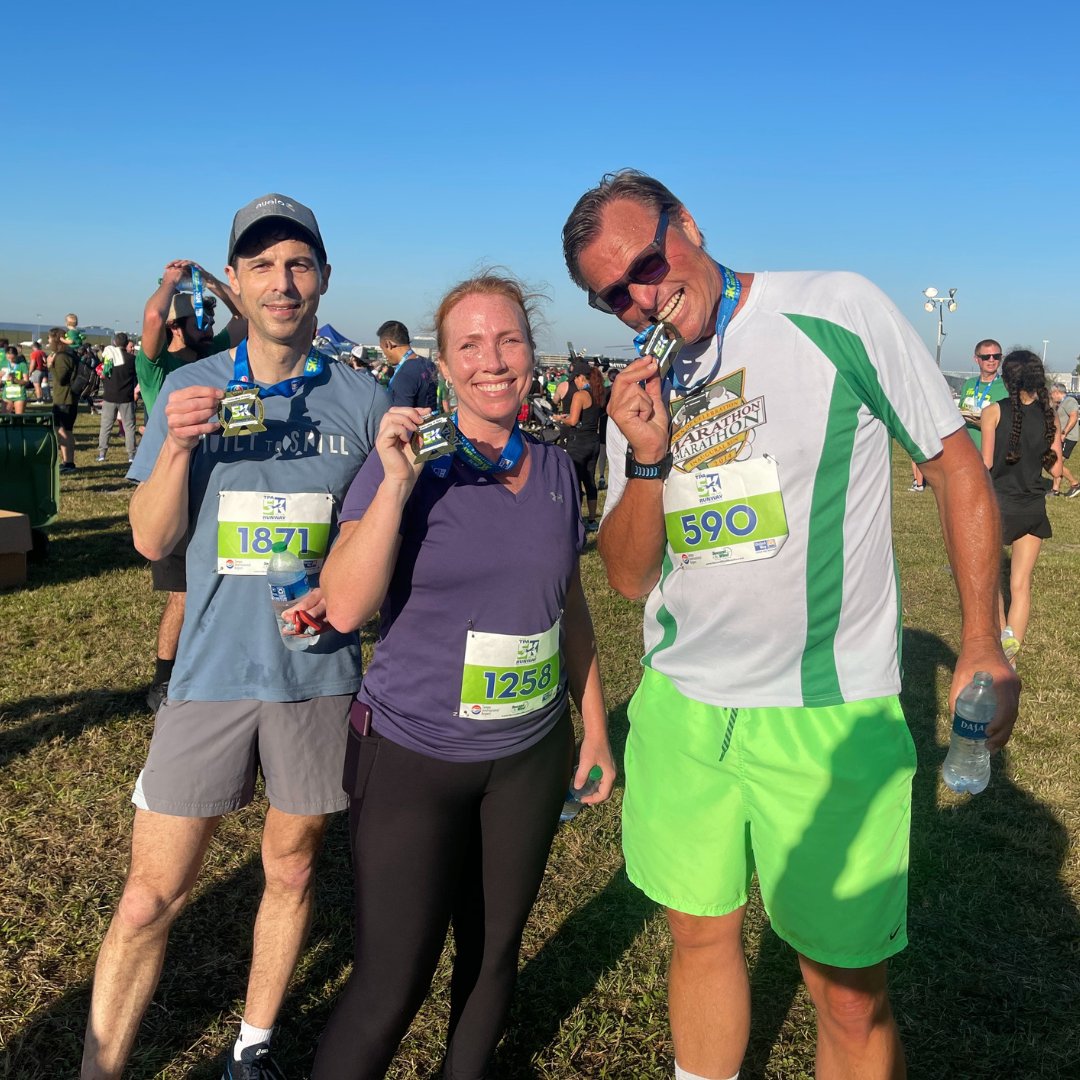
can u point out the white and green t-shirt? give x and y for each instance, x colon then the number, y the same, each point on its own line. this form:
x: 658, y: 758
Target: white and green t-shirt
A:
x: 779, y: 586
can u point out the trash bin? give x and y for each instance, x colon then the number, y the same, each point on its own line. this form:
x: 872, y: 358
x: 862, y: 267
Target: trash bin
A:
x: 30, y: 468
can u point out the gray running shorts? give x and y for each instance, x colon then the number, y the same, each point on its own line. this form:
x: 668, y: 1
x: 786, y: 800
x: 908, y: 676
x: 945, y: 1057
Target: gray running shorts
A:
x: 205, y: 755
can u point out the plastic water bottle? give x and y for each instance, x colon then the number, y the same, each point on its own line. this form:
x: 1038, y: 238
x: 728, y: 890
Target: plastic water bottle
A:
x: 288, y: 583
x: 572, y: 804
x: 967, y: 765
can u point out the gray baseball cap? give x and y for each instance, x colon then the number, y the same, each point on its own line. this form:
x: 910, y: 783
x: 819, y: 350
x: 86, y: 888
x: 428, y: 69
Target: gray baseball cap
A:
x: 274, y: 206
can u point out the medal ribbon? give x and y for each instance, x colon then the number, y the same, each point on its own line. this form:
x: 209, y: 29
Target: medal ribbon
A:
x: 197, y: 295
x: 981, y: 398
x: 243, y: 380
x: 729, y: 301
x: 466, y: 452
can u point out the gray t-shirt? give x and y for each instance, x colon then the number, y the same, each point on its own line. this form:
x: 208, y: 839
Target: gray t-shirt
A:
x: 477, y: 566
x: 1066, y: 407
x: 242, y: 492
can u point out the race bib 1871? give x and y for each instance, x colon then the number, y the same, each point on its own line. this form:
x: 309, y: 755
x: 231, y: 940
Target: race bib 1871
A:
x: 251, y: 522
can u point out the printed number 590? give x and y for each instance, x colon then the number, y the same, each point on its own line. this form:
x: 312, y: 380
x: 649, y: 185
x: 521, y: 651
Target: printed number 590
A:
x: 514, y: 684
x: 739, y: 520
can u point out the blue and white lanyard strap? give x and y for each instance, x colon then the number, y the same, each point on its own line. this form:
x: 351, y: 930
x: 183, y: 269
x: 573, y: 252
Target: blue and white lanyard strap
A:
x: 408, y: 352
x: 197, y: 295
x: 465, y: 451
x: 242, y: 378
x: 982, y: 398
x: 729, y: 301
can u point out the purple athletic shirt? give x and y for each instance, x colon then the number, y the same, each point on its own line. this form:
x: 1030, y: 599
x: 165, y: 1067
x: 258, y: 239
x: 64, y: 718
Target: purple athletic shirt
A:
x: 473, y: 557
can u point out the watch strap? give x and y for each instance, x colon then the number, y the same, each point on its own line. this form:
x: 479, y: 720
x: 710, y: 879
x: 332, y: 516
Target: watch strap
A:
x: 635, y: 470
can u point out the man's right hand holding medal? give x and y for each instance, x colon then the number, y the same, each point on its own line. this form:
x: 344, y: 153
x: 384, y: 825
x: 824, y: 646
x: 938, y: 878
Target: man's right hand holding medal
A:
x: 190, y: 413
x: 637, y: 407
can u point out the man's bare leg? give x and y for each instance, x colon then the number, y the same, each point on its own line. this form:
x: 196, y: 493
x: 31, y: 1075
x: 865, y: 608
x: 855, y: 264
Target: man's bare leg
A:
x: 708, y: 992
x: 290, y: 848
x: 857, y: 1036
x: 172, y: 619
x: 166, y: 854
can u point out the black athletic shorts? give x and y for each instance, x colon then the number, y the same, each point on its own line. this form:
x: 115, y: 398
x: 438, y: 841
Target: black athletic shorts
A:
x: 170, y: 574
x: 64, y: 416
x: 1029, y: 521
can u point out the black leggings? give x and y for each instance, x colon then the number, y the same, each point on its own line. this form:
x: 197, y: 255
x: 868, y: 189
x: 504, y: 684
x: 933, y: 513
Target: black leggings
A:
x: 584, y: 451
x: 438, y: 843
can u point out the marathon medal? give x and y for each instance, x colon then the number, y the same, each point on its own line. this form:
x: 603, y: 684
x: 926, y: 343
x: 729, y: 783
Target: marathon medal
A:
x: 662, y: 342
x: 241, y: 411
x: 435, y: 437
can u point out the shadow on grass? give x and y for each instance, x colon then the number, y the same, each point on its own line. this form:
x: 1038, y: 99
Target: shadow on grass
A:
x: 205, y: 973
x: 86, y: 549
x: 553, y: 983
x: 31, y: 721
x: 988, y: 985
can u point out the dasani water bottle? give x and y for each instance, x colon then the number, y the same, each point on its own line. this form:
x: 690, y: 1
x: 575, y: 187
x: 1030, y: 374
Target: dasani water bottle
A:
x: 572, y: 803
x: 288, y: 583
x: 967, y: 765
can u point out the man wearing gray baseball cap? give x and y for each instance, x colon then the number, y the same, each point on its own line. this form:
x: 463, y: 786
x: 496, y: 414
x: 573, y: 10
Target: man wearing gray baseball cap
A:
x: 255, y: 447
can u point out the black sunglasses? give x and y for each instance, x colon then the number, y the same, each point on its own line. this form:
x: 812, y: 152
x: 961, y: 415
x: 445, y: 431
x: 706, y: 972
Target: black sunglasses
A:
x: 649, y: 268
x: 988, y: 356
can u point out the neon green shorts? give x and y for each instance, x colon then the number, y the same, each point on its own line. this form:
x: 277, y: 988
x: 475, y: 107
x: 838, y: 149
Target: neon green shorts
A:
x: 817, y: 800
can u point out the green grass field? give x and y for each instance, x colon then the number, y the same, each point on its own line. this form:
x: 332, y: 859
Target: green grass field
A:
x: 989, y: 987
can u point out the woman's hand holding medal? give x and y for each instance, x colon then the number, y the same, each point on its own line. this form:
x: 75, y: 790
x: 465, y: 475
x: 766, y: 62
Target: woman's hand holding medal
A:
x: 394, y: 445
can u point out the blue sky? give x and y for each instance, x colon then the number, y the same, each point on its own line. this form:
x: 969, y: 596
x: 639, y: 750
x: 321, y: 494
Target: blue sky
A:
x: 917, y: 144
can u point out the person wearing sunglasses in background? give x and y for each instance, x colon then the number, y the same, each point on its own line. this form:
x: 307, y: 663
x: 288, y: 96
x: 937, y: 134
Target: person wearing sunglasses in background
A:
x: 754, y: 513
x: 984, y: 389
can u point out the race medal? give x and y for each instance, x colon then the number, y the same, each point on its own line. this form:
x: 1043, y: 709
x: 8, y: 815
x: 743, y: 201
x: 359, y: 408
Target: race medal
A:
x: 435, y: 437
x: 730, y: 514
x: 661, y: 341
x: 507, y: 676
x: 241, y: 412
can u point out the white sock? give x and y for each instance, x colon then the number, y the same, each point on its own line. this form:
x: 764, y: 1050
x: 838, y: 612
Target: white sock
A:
x: 682, y: 1074
x: 250, y: 1036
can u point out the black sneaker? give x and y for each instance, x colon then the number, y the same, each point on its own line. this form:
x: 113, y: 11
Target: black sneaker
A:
x: 67, y: 466
x: 255, y: 1064
x: 157, y: 693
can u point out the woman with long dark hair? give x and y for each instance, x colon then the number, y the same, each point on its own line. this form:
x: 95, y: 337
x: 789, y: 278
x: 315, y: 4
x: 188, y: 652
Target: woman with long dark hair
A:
x: 582, y: 438
x: 1020, y: 440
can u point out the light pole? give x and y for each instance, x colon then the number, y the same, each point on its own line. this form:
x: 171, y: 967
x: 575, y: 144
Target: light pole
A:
x: 37, y: 336
x: 932, y: 301
x: 1046, y: 341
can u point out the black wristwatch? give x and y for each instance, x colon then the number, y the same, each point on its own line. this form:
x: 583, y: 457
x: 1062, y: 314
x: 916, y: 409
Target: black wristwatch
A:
x: 636, y: 471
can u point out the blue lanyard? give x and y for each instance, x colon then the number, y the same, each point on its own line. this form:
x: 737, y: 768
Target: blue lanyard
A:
x: 979, y: 384
x: 729, y: 301
x: 242, y: 378
x: 197, y: 295
x: 408, y: 353
x: 466, y: 452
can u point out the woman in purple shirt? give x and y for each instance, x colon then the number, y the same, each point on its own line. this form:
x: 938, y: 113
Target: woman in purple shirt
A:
x: 461, y: 743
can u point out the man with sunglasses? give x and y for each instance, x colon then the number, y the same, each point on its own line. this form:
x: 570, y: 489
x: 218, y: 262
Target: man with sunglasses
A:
x: 172, y: 338
x: 754, y: 513
x: 984, y: 389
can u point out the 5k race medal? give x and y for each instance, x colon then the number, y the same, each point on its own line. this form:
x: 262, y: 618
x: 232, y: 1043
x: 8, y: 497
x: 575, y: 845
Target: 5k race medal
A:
x: 241, y: 412
x: 434, y: 438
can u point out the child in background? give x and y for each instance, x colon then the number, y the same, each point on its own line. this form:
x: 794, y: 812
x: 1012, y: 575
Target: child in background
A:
x: 75, y: 336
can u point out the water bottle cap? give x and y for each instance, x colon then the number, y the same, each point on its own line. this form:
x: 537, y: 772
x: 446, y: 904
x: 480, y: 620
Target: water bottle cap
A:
x: 279, y: 546
x: 983, y: 678
x: 596, y: 773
